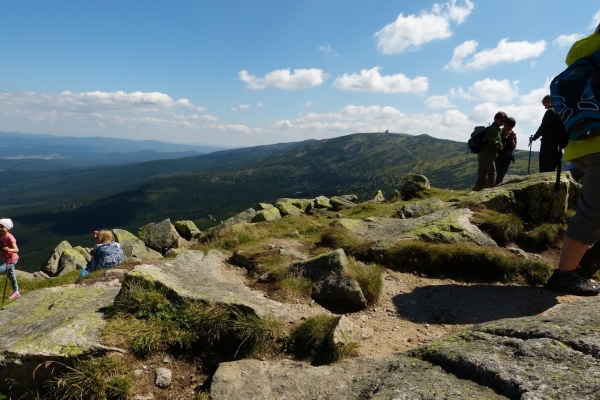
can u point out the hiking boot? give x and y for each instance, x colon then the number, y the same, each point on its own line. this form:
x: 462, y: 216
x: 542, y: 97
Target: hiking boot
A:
x: 477, y: 188
x: 490, y: 185
x: 572, y: 283
x: 13, y: 296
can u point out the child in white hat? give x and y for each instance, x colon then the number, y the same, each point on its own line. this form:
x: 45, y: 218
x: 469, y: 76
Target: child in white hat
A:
x: 10, y: 255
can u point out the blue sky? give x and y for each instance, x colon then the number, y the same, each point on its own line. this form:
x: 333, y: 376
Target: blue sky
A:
x: 243, y: 73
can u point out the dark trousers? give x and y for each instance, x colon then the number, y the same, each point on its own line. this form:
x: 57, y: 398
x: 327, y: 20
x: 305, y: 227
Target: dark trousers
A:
x: 502, y: 164
x: 549, y: 156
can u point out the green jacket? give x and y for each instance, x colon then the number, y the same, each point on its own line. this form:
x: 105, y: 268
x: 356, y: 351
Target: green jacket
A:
x: 493, y: 140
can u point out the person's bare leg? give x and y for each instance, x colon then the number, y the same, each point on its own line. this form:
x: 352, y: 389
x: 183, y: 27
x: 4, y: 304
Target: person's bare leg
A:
x: 571, y: 254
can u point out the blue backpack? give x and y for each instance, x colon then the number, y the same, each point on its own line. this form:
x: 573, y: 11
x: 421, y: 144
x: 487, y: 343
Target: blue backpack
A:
x: 575, y: 96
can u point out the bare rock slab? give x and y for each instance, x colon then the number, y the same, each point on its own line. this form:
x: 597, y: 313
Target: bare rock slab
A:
x: 393, y: 377
x: 195, y: 276
x: 50, y: 324
x: 553, y: 355
x: 446, y: 226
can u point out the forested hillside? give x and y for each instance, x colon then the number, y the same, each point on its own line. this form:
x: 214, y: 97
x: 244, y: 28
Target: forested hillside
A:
x: 235, y: 180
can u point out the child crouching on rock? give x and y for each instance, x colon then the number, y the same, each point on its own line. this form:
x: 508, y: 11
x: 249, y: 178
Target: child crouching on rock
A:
x: 10, y: 255
x: 106, y: 253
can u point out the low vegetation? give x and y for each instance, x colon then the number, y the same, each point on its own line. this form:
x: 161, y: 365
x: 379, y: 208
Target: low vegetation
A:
x: 313, y: 340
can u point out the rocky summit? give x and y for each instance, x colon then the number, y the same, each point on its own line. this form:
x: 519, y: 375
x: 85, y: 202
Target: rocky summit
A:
x: 317, y: 299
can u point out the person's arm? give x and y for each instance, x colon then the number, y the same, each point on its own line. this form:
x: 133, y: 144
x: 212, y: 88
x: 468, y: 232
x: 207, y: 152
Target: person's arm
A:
x: 545, y: 126
x: 512, y: 140
x: 493, y: 137
x: 11, y: 247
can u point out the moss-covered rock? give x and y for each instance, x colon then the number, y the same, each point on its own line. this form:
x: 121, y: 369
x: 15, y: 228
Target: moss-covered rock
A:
x: 420, y: 208
x: 269, y: 214
x: 159, y: 236
x: 50, y: 324
x: 413, y: 185
x: 446, y: 226
x: 340, y: 203
x: 187, y: 229
x: 50, y: 266
x: 133, y: 247
x: 322, y: 202
x: 286, y: 208
x: 70, y: 260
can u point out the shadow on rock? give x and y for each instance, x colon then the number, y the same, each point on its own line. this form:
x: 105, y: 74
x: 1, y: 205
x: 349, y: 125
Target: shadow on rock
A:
x: 457, y: 304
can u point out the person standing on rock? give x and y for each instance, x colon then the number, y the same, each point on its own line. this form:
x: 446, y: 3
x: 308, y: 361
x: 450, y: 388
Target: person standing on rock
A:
x: 106, y: 253
x: 550, y: 153
x: 506, y: 155
x: 486, y: 171
x: 584, y: 228
x: 10, y: 256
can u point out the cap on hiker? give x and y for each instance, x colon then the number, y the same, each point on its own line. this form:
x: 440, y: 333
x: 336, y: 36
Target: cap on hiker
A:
x: 7, y: 223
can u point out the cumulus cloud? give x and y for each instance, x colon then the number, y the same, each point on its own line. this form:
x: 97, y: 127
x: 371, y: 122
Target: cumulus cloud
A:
x: 104, y: 108
x: 207, y: 117
x: 372, y: 81
x: 504, y: 52
x: 259, y: 104
x: 566, y: 40
x: 308, y: 104
x: 244, y: 106
x: 489, y: 90
x: 285, y: 79
x: 412, y: 31
x: 439, y: 102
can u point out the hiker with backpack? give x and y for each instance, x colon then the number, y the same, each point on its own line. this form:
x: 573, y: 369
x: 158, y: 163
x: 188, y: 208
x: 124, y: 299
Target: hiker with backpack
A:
x: 550, y: 153
x: 583, y: 150
x: 486, y: 171
x: 506, y: 155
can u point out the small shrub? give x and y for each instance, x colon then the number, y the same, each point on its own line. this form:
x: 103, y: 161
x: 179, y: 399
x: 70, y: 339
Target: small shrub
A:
x: 94, y: 378
x: 544, y: 236
x: 369, y: 277
x: 503, y: 228
x: 313, y: 340
x: 337, y: 237
x: 465, y: 261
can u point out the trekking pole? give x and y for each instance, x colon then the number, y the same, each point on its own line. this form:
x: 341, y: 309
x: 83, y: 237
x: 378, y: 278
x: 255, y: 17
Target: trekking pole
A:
x: 5, y: 284
x: 529, y: 163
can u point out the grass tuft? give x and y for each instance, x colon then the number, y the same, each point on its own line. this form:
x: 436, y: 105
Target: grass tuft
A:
x: 503, y: 228
x: 94, y: 378
x: 147, y: 320
x: 313, y: 340
x: 337, y: 237
x: 465, y: 261
x: 544, y: 236
x: 369, y: 277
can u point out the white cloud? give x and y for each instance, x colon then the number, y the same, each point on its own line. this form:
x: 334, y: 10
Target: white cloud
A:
x: 504, y: 52
x: 284, y: 79
x: 231, y: 128
x: 233, y: 109
x: 439, y: 102
x: 328, y: 50
x: 489, y: 90
x: 207, y: 117
x: 259, y: 104
x: 460, y: 52
x: 595, y: 20
x: 412, y: 31
x: 244, y: 106
x: 372, y: 81
x: 566, y: 40
x: 308, y: 104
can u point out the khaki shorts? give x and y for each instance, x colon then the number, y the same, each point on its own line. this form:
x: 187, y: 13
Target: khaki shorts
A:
x: 585, y: 225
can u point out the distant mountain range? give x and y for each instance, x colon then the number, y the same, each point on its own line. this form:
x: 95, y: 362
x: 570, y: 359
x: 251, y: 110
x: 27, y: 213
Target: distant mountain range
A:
x: 31, y: 151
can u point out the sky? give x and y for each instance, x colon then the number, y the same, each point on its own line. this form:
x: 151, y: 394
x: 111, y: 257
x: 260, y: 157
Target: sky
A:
x: 254, y: 72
